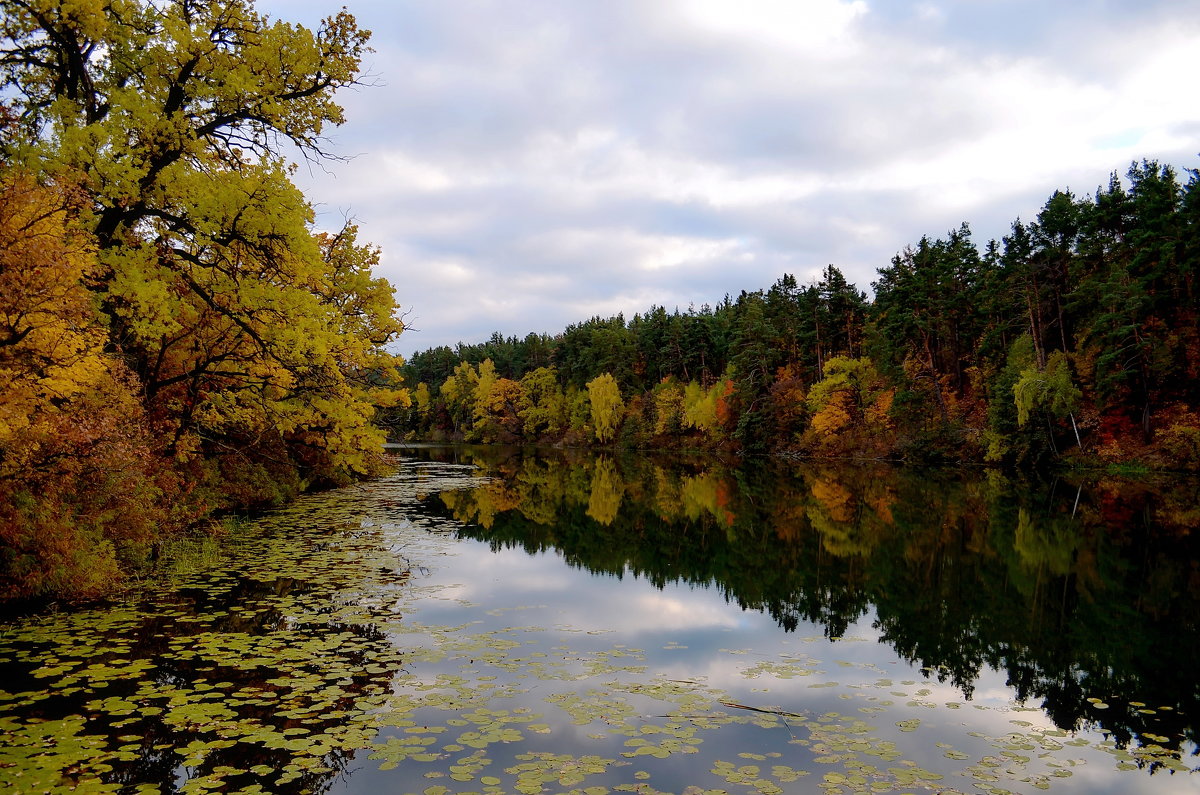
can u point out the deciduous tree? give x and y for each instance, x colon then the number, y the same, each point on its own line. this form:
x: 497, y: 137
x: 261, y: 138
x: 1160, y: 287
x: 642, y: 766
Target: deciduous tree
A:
x: 607, y: 407
x: 251, y: 336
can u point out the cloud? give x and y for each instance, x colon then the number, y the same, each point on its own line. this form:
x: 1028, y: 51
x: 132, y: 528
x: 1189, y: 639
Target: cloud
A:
x: 527, y: 164
x: 820, y: 28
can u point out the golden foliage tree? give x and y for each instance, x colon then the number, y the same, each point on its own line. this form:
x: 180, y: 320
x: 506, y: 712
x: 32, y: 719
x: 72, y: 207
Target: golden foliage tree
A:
x: 183, y: 283
x: 668, y: 407
x: 851, y: 400
x: 51, y: 346
x: 82, y: 483
x: 498, y: 416
x: 700, y: 407
x: 252, y: 336
x: 542, y: 407
x: 459, y: 391
x: 607, y: 407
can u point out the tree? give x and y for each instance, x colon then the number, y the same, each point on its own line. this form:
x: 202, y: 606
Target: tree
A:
x: 844, y: 399
x: 500, y: 420
x: 1055, y: 240
x: 208, y: 87
x: 459, y: 392
x: 432, y: 366
x: 926, y: 318
x: 83, y: 482
x: 788, y: 403
x: 756, y: 356
x: 51, y: 345
x: 700, y: 407
x: 542, y: 407
x: 1051, y: 389
x: 606, y: 406
x: 250, y: 335
x: 422, y: 405
x: 842, y: 311
x: 668, y: 408
x: 483, y: 390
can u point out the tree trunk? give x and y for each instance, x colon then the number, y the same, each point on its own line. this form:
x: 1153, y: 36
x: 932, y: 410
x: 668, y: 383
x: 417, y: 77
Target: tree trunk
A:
x: 937, y: 383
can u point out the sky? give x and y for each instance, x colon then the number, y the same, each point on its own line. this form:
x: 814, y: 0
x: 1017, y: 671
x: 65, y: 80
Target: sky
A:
x: 527, y: 164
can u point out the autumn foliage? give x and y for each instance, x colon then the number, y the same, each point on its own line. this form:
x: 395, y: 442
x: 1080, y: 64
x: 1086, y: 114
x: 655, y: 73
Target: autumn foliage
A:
x: 1075, y: 337
x: 82, y: 478
x: 176, y: 339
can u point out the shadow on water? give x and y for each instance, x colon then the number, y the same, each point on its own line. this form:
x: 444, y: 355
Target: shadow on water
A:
x: 1083, y: 591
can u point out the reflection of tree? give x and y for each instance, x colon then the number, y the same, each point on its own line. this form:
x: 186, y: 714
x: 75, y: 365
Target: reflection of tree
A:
x: 1048, y: 545
x: 706, y: 494
x: 605, y: 498
x: 835, y: 513
x: 1033, y: 580
x: 237, y: 672
x: 480, y: 506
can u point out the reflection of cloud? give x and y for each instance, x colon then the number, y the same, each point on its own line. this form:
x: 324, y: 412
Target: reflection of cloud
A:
x: 660, y: 612
x: 479, y: 573
x: 513, y: 577
x: 689, y: 639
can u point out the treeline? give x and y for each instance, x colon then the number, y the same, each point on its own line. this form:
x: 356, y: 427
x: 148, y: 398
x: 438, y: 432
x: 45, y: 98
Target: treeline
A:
x: 176, y: 340
x: 1074, y: 335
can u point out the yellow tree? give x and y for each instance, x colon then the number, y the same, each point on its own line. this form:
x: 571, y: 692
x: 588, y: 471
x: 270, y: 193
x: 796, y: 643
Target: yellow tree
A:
x: 607, y: 407
x: 850, y: 398
x: 500, y: 420
x: 458, y: 392
x: 543, y: 407
x: 51, y: 345
x: 700, y: 407
x: 668, y: 407
x: 82, y: 482
x: 252, y: 337
x: 423, y: 401
x: 483, y: 390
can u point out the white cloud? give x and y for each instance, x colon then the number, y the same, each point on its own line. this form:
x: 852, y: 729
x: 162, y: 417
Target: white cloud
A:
x: 528, y: 164
x: 819, y: 27
x: 929, y: 13
x: 405, y: 173
x: 452, y: 273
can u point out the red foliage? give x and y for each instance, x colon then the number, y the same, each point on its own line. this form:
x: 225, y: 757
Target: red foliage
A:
x: 725, y: 497
x: 725, y: 411
x: 1117, y: 436
x: 90, y: 495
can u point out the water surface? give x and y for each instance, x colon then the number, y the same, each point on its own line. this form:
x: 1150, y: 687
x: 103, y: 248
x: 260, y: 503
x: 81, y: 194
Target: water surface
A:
x: 490, y: 621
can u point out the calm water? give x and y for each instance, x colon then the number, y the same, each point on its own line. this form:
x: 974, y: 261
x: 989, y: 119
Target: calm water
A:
x: 488, y: 621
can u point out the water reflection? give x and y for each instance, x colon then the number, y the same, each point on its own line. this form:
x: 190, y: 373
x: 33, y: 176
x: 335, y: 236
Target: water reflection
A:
x: 1082, y: 591
x: 260, y: 673
x: 352, y: 644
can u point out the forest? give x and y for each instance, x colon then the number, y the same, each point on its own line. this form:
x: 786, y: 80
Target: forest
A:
x: 178, y: 340
x: 1074, y: 340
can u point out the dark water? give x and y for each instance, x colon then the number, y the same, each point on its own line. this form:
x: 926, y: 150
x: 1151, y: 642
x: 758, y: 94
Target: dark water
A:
x: 491, y: 621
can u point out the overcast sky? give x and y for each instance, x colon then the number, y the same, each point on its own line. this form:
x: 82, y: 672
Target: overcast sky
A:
x: 525, y: 164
